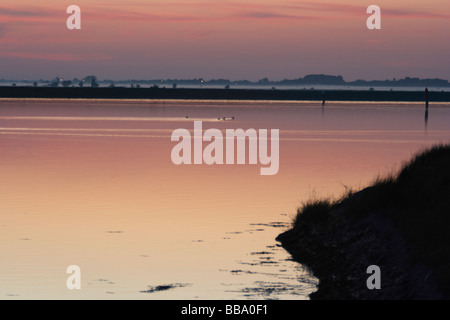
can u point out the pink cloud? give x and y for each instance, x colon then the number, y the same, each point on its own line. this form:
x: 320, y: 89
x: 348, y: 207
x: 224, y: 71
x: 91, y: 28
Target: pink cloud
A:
x: 55, y: 56
x: 166, y: 13
x: 414, y: 14
x: 356, y: 9
x: 223, y: 11
x: 229, y: 16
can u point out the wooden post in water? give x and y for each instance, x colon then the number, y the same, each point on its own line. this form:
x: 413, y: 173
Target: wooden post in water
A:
x: 323, y: 104
x: 426, y: 106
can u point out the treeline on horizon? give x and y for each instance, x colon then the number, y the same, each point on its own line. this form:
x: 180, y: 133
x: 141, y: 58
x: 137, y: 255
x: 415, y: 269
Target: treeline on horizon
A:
x: 312, y: 79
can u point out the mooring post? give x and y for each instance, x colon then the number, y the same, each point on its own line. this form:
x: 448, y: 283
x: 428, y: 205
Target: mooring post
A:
x: 426, y: 107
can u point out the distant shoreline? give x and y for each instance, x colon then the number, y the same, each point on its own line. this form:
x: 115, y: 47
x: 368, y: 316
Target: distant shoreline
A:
x: 220, y: 94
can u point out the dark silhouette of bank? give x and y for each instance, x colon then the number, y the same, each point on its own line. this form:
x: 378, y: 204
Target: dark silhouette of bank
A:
x: 91, y: 90
x: 401, y: 223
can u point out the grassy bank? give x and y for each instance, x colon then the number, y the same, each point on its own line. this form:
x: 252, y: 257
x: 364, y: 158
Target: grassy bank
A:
x: 400, y: 223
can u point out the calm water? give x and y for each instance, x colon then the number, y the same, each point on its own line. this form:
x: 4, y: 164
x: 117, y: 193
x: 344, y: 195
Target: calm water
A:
x: 91, y: 183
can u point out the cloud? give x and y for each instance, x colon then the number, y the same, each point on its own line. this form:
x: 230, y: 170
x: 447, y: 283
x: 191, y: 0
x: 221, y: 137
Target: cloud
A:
x: 200, y: 12
x: 356, y: 9
x: 414, y: 14
x: 55, y: 56
x: 160, y: 12
x: 269, y: 15
x: 25, y: 13
x: 113, y: 15
x: 21, y: 13
x: 28, y: 14
x: 206, y: 11
x: 231, y: 10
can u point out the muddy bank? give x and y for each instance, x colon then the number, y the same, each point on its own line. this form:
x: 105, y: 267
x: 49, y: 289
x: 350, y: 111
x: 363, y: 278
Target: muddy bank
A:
x: 400, y: 223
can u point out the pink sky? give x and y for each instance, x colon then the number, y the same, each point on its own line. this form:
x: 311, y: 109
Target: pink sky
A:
x: 231, y: 39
